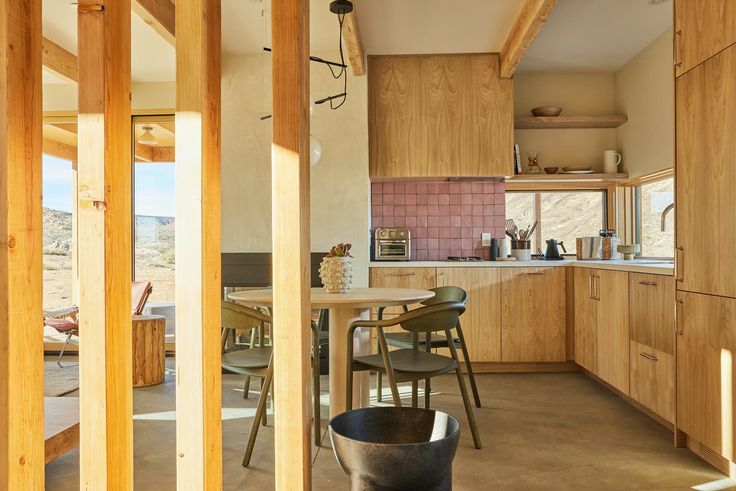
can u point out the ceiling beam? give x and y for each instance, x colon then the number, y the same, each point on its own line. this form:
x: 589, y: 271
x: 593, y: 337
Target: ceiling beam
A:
x: 59, y: 149
x: 532, y: 17
x: 353, y: 44
x: 160, y: 15
x: 60, y: 61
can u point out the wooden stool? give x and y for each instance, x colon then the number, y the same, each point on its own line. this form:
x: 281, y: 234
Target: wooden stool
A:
x: 149, y: 358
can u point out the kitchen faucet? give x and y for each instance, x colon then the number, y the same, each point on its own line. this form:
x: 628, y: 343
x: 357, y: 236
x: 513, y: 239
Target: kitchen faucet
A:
x: 662, y: 224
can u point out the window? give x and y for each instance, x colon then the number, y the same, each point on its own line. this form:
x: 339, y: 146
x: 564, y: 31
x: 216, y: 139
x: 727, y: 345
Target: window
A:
x: 650, y: 201
x: 563, y: 215
x: 58, y: 185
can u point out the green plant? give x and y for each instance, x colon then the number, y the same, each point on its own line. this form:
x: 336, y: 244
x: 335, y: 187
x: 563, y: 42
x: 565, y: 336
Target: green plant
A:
x: 340, y: 250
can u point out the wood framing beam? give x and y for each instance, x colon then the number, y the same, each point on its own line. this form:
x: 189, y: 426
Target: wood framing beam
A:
x: 59, y: 150
x: 143, y: 153
x: 532, y: 17
x: 60, y: 61
x: 163, y: 154
x: 104, y: 240
x: 198, y: 371
x: 21, y: 276
x: 353, y: 44
x: 291, y: 243
x: 160, y: 15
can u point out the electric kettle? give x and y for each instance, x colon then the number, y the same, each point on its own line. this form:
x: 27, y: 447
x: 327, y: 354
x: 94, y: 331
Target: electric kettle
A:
x: 553, y: 253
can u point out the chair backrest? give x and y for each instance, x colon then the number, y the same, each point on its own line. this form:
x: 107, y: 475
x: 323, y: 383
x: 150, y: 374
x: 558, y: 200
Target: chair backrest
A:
x: 432, y: 318
x: 140, y: 291
x: 235, y: 316
x: 444, y: 294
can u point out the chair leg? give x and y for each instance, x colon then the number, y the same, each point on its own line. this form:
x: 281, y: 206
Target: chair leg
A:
x: 260, y: 415
x: 379, y: 387
x: 246, y: 387
x: 394, y: 389
x: 464, y: 393
x: 427, y: 391
x: 316, y: 392
x: 264, y: 392
x: 415, y: 393
x: 63, y: 348
x: 466, y: 358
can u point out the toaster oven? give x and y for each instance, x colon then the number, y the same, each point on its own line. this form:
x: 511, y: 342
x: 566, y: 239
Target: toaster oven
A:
x: 392, y: 244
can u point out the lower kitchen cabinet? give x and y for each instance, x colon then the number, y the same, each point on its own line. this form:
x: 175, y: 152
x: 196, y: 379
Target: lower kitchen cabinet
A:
x: 652, y: 380
x: 652, y: 311
x: 585, y: 319
x: 418, y: 278
x: 705, y: 370
x: 481, y: 322
x: 533, y: 316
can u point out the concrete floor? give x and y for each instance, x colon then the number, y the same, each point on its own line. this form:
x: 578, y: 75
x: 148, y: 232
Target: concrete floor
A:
x: 539, y: 431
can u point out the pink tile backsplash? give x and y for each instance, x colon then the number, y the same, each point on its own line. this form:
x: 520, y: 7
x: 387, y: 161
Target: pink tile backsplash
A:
x: 445, y: 218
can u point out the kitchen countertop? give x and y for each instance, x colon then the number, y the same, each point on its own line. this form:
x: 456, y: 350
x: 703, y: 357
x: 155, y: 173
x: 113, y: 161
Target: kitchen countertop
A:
x: 650, y: 266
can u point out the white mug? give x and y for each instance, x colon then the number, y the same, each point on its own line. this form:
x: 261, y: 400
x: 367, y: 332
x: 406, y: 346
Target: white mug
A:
x: 611, y: 161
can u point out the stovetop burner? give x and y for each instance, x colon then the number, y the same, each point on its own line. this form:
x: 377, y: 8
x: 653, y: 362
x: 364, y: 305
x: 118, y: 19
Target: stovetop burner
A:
x: 464, y: 258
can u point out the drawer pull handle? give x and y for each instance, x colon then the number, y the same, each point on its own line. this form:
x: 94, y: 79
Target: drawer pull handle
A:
x: 678, y: 48
x: 534, y: 273
x: 680, y: 264
x: 402, y: 274
x: 648, y: 356
x: 678, y: 318
x: 648, y: 283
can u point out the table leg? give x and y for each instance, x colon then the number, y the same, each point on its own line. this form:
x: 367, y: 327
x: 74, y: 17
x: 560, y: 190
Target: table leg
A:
x: 340, y: 319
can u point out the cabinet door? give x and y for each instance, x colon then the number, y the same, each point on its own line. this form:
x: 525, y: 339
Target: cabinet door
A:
x: 481, y: 321
x: 586, y: 319
x: 533, y: 314
x: 653, y: 379
x: 706, y: 176
x: 613, y: 328
x: 420, y: 278
x: 705, y: 369
x: 652, y: 311
x: 702, y: 29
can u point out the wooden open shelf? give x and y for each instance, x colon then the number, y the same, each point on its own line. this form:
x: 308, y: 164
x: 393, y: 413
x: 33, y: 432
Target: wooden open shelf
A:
x: 568, y: 177
x: 531, y: 122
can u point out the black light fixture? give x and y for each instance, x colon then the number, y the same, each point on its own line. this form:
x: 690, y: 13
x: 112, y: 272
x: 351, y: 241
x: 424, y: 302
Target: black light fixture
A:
x: 341, y: 7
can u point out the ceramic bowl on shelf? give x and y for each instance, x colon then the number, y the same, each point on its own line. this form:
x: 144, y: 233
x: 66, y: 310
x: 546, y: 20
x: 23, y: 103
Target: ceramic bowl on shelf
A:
x: 551, y: 170
x: 548, y: 111
x: 628, y: 250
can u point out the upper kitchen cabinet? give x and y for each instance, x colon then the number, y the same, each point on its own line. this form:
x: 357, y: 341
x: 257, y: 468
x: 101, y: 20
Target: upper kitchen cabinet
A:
x: 439, y: 115
x: 702, y: 29
x: 706, y: 176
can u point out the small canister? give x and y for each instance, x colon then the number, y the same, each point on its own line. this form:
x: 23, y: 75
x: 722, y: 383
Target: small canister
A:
x: 494, y: 250
x: 521, y: 250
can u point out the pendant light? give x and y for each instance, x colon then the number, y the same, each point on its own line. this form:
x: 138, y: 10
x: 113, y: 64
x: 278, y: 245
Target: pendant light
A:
x: 147, y: 137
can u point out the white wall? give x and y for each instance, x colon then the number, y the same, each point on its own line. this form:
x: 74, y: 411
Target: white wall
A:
x: 340, y: 185
x: 152, y: 95
x: 645, y: 90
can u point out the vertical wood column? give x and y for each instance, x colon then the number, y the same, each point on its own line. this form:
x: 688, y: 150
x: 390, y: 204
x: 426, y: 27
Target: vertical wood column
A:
x: 21, y: 277
x: 291, y: 243
x: 104, y: 240
x: 198, y: 371
x: 75, y: 233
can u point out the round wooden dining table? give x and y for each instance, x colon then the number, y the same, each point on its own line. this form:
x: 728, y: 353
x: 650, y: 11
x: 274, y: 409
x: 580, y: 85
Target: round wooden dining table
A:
x: 344, y: 308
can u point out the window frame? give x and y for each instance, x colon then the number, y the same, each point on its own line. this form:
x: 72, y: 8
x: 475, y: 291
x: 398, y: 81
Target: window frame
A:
x: 635, y: 208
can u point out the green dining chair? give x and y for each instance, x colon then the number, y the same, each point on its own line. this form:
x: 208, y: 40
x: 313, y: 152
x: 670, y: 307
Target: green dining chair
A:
x: 409, y: 340
x: 412, y: 365
x: 258, y: 362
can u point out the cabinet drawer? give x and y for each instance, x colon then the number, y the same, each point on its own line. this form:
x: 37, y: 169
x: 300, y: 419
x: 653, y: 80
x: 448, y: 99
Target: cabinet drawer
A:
x: 652, y: 310
x: 653, y: 380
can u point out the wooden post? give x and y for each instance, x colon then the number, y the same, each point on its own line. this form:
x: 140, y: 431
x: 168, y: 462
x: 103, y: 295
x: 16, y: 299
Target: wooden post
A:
x: 104, y: 233
x: 291, y: 243
x: 21, y: 277
x: 198, y: 378
x: 75, y: 232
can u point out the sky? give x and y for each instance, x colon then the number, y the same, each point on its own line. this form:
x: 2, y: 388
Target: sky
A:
x: 154, y: 187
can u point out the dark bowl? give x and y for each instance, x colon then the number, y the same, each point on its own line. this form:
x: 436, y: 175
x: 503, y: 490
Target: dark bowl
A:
x: 551, y: 170
x: 548, y: 111
x: 389, y: 448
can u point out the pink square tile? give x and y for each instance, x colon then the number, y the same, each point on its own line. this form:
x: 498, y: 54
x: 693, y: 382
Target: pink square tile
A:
x: 433, y: 243
x: 421, y: 255
x: 433, y: 210
x: 388, y: 222
x: 499, y: 221
x: 433, y: 199
x: 444, y: 221
x: 488, y: 199
x: 477, y: 221
x: 376, y: 199
x: 477, y: 210
x: 489, y: 187
x: 399, y: 211
x: 444, y: 210
x: 466, y: 187
x: 387, y: 210
x: 456, y: 232
x: 455, y: 219
x: 477, y: 188
x: 376, y: 210
x: 499, y: 210
x: 466, y: 199
x: 422, y: 199
x: 445, y: 244
x: 488, y: 222
x: 444, y: 233
x: 500, y: 187
x: 433, y: 255
x: 456, y: 243
x: 466, y: 220
x: 443, y: 188
x: 489, y: 210
x: 410, y: 188
x: 411, y: 211
x: 477, y: 231
x: 444, y: 253
x: 456, y: 199
x: 410, y: 199
x: 388, y: 188
x: 411, y: 221
x: 399, y: 199
x: 376, y: 187
x: 467, y: 243
x: 399, y: 188
x: 467, y: 252
x: 477, y: 199
x: 433, y: 221
x: 467, y: 209
x: 432, y: 188
x: 444, y: 199
x: 422, y: 221
x: 399, y: 221
x: 421, y: 243
x: 500, y: 199
x: 422, y: 211
x: 421, y: 188
x: 421, y: 233
x: 432, y: 233
x: 389, y: 199
x: 456, y: 188
x: 466, y: 232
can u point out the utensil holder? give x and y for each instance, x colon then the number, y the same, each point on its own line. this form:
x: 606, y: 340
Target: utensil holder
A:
x: 521, y: 250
